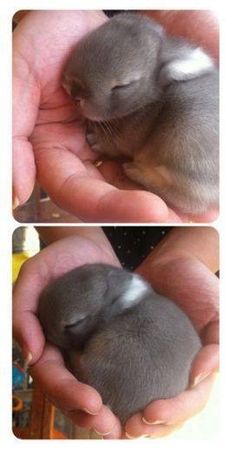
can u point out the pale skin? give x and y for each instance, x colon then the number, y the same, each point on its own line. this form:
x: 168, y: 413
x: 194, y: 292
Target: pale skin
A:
x: 49, y: 143
x: 182, y: 267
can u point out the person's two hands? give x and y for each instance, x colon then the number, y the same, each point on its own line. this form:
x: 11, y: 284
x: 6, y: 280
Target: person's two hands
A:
x: 184, y: 279
x: 49, y: 142
x: 47, y: 139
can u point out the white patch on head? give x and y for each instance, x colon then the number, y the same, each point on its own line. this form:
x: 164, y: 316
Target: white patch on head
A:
x: 133, y: 295
x: 193, y: 65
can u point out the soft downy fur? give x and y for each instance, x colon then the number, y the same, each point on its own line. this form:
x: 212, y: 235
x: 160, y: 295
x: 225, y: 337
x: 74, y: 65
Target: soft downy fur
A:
x: 153, y: 99
x: 119, y: 336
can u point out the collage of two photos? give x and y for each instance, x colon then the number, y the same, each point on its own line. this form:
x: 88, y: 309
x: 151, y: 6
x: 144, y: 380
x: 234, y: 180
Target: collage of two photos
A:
x: 115, y: 252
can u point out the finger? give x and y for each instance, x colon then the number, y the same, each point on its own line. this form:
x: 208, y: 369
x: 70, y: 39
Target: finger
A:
x: 24, y: 170
x: 201, y: 27
x: 93, y: 199
x: 205, y: 363
x: 26, y: 327
x: 178, y: 409
x: 207, y: 217
x: 164, y: 431
x: 114, y: 174
x: 189, y: 283
x: 211, y: 333
x: 30, y: 337
x: 25, y: 106
x: 65, y: 391
x: 105, y: 423
x: 136, y: 428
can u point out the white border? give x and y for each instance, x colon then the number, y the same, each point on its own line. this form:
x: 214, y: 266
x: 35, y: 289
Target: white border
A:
x: 226, y: 224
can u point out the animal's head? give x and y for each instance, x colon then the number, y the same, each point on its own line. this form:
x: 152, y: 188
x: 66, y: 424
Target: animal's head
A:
x: 125, y: 64
x: 72, y: 306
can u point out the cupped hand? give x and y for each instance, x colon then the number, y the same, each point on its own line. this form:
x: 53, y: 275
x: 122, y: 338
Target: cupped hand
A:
x: 78, y: 401
x: 194, y: 288
x: 49, y: 141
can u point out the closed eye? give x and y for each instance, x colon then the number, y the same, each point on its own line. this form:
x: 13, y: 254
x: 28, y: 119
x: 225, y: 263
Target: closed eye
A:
x: 123, y: 86
x: 76, y: 323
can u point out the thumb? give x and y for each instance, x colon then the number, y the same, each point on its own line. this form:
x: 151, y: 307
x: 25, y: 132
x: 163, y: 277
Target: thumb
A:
x: 26, y: 96
x: 28, y: 334
x: 24, y: 171
x: 206, y: 362
x: 26, y: 327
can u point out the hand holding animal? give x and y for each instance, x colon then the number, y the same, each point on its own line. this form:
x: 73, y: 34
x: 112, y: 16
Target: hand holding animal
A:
x: 152, y: 99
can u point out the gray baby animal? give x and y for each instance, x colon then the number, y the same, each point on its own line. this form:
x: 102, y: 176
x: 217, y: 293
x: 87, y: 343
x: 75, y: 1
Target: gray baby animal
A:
x: 135, y: 345
x: 153, y: 99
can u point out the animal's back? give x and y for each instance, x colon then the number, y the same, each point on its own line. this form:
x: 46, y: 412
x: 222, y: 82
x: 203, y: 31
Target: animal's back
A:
x: 185, y: 141
x: 143, y: 355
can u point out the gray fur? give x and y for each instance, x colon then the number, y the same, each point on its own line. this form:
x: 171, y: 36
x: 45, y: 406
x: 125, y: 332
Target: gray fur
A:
x: 132, y: 352
x: 124, y: 78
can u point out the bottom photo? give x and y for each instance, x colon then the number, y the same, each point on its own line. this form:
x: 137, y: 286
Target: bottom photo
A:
x: 115, y: 332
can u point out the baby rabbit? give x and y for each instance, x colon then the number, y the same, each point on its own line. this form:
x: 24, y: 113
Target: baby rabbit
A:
x: 119, y: 336
x: 154, y: 99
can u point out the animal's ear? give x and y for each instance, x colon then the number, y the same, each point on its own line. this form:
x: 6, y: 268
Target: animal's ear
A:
x: 156, y: 27
x: 126, y: 291
x: 142, y: 20
x: 193, y: 63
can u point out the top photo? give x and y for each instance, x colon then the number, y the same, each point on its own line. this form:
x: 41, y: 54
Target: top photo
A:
x: 115, y: 116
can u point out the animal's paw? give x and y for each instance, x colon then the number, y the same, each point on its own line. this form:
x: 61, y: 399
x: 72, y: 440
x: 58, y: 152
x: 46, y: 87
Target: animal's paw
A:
x: 92, y: 138
x: 132, y: 171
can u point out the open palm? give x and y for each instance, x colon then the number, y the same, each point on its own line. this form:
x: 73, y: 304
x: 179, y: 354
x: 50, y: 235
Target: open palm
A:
x: 49, y: 141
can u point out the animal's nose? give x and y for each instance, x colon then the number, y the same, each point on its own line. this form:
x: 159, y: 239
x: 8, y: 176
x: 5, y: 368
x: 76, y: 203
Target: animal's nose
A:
x: 80, y: 102
x: 66, y: 87
x: 75, y: 91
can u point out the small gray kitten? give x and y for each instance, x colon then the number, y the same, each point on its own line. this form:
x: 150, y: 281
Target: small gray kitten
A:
x: 119, y: 336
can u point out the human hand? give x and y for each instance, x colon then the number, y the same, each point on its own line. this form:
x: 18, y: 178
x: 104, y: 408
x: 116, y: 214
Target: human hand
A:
x: 80, y: 402
x: 194, y: 288
x: 47, y: 138
x: 198, y: 26
x: 185, y: 289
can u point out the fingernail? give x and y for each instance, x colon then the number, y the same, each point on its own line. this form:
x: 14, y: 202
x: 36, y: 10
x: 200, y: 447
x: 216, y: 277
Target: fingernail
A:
x: 199, y: 379
x: 102, y: 433
x: 98, y: 163
x: 27, y: 359
x: 151, y: 423
x: 15, y: 202
x: 132, y: 437
x: 89, y: 412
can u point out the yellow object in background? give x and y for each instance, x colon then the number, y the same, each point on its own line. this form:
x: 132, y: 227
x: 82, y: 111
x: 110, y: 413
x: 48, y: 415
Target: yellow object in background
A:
x: 25, y: 245
x: 17, y: 261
